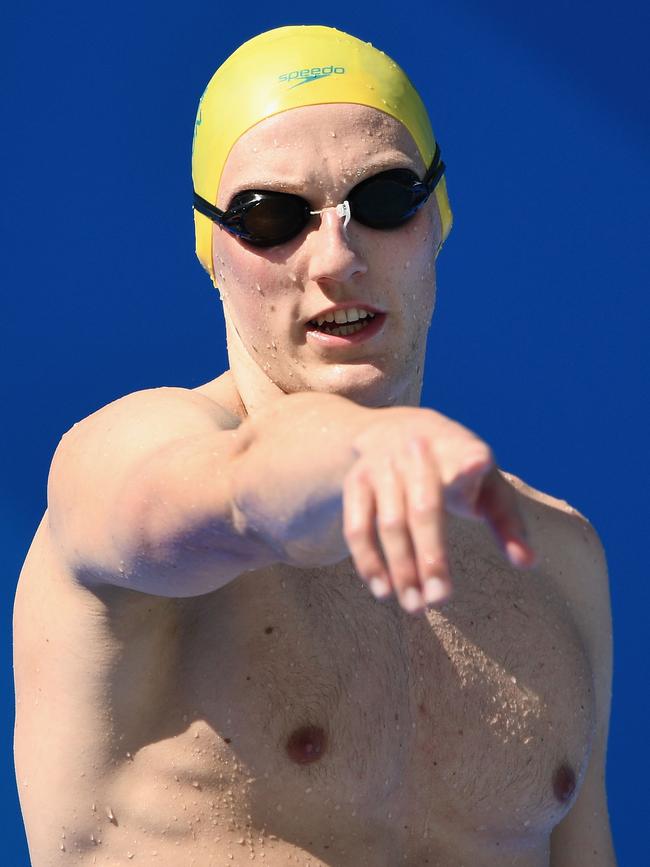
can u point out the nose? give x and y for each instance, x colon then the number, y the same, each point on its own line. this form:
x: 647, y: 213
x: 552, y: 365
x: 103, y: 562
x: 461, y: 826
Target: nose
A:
x: 332, y: 256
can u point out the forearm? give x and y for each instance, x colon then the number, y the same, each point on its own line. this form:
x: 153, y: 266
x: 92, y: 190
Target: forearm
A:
x: 204, y: 509
x: 287, y: 486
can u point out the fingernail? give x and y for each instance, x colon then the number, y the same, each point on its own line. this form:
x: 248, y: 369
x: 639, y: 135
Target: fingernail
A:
x: 412, y: 599
x: 379, y: 587
x: 435, y: 589
x: 518, y: 554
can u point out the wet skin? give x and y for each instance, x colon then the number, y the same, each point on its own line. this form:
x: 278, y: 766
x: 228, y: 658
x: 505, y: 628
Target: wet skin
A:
x: 290, y: 714
x: 269, y: 294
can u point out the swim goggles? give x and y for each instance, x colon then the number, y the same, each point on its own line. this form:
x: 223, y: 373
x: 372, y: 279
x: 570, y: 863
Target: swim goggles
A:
x: 265, y: 218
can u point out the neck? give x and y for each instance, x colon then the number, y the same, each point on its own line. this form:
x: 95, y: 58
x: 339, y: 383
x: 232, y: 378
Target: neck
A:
x: 256, y: 391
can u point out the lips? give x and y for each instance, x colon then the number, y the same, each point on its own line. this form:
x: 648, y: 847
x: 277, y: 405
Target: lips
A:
x: 323, y: 339
x: 359, y: 305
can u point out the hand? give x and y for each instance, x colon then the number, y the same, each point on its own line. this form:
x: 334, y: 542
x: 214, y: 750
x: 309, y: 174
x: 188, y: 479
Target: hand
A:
x: 412, y: 465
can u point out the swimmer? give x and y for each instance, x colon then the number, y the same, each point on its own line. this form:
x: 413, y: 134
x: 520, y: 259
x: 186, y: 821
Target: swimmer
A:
x: 292, y: 615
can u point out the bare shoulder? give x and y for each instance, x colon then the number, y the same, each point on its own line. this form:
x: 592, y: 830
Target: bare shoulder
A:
x: 565, y: 537
x: 168, y: 403
x: 98, y: 460
x: 571, y: 555
x: 533, y: 495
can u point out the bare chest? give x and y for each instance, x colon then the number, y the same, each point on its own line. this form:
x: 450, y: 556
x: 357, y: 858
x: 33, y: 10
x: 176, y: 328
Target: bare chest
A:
x: 477, y: 717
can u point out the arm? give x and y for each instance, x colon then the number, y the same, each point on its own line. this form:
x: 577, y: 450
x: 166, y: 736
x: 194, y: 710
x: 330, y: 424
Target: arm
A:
x: 145, y: 492
x: 156, y: 494
x: 584, y: 835
x: 141, y: 494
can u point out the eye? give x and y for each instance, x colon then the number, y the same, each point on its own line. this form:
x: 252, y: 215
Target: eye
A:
x: 386, y: 200
x: 268, y: 217
x: 275, y: 217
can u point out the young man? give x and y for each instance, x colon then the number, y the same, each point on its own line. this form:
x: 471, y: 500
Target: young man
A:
x: 292, y: 615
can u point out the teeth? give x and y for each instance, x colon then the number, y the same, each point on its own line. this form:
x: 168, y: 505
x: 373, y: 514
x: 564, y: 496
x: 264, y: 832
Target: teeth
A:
x: 341, y: 316
x: 343, y: 330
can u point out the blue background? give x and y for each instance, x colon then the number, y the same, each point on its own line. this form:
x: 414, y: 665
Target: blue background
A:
x: 537, y: 344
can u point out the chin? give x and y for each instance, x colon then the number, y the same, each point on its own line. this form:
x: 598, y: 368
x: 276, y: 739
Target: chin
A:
x: 371, y: 391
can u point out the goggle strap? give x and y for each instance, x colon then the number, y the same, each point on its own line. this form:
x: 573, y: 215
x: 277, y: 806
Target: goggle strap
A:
x: 208, y: 210
x: 435, y: 171
x: 342, y: 210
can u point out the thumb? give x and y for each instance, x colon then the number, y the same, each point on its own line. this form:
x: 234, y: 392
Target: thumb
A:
x: 463, y: 494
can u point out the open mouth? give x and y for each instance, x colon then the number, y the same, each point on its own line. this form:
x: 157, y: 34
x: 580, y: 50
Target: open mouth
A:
x: 342, y: 330
x: 349, y: 331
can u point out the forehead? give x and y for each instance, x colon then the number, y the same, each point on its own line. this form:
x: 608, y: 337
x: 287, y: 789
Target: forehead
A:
x: 313, y: 143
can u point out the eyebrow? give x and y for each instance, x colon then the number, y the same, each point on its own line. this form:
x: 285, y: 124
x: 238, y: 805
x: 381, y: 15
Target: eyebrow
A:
x: 292, y: 185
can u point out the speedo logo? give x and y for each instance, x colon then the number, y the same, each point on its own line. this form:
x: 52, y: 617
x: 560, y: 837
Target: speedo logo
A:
x: 305, y: 76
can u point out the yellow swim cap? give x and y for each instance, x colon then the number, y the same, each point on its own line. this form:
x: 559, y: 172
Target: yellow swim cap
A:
x: 287, y: 68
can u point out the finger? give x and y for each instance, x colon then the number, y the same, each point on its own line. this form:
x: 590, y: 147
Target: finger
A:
x: 497, y: 504
x: 473, y: 465
x: 394, y: 535
x: 427, y: 521
x: 359, y: 530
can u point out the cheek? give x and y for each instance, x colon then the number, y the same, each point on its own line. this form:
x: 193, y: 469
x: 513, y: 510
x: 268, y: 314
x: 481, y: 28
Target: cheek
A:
x: 250, y: 287
x: 406, y: 257
x: 272, y: 270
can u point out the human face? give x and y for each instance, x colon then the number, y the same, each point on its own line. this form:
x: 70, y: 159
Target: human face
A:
x: 270, y: 294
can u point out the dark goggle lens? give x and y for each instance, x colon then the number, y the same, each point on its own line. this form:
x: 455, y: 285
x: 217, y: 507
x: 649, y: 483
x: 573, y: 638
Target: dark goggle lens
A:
x: 272, y: 218
x: 386, y: 200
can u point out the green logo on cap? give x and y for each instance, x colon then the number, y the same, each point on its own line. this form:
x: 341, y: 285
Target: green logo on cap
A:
x: 305, y: 76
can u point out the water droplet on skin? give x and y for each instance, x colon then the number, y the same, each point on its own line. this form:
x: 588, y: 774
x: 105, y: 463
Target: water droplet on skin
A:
x: 110, y: 816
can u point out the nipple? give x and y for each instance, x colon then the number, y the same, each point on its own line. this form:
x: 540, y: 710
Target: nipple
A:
x: 306, y: 744
x: 564, y: 783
